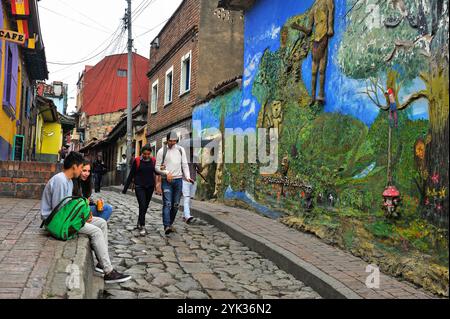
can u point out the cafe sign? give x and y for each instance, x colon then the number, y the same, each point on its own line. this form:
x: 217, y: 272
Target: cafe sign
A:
x: 12, y: 36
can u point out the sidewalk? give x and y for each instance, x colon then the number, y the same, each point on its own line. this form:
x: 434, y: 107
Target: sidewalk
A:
x: 328, y: 270
x: 34, y: 265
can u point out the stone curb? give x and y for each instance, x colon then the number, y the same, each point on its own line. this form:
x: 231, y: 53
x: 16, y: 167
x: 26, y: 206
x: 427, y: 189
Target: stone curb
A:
x: 73, y: 265
x: 323, y: 284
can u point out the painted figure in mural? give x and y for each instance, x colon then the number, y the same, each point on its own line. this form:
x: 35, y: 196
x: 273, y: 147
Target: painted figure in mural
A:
x: 309, y: 204
x: 331, y: 200
x: 393, y: 117
x: 275, y: 117
x: 321, y: 28
x: 272, y: 115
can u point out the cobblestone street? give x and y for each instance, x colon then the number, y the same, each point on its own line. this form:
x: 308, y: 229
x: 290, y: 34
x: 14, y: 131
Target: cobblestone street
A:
x: 198, y: 261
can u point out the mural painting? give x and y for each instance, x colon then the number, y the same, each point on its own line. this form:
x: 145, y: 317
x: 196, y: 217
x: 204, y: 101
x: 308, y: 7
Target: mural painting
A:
x: 358, y: 91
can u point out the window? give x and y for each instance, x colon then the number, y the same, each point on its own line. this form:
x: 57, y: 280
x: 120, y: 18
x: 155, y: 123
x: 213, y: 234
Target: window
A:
x: 8, y: 76
x: 168, y: 86
x: 12, y: 73
x: 122, y: 73
x: 154, y: 100
x: 185, y: 79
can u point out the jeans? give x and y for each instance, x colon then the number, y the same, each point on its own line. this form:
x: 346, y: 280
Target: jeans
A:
x: 189, y: 191
x: 105, y: 214
x: 144, y: 196
x: 393, y: 114
x: 97, y: 231
x: 97, y: 182
x: 171, y: 200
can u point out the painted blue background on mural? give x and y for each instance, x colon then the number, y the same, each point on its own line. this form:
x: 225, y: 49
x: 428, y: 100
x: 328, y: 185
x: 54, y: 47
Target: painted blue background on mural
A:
x: 262, y: 31
x: 263, y: 24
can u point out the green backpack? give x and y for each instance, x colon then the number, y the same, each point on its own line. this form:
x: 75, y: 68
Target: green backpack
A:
x: 67, y: 218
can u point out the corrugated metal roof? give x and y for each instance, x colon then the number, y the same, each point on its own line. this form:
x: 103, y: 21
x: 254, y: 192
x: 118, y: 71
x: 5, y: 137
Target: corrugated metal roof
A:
x: 106, y: 92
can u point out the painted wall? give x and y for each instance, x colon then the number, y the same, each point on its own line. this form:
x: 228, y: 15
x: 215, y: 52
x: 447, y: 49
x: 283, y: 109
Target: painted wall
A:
x: 7, y: 123
x: 343, y: 146
x: 48, y: 140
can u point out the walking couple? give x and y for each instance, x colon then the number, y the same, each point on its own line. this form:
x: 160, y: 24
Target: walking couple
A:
x: 177, y: 177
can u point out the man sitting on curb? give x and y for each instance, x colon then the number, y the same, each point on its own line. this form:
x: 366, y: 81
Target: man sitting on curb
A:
x: 61, y: 186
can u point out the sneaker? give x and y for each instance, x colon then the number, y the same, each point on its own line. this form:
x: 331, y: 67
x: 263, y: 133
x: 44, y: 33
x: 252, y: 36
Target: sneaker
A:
x: 189, y: 220
x: 116, y: 277
x: 99, y: 268
x: 142, y: 231
x: 168, y: 230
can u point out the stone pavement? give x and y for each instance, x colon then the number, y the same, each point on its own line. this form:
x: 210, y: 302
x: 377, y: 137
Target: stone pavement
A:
x: 197, y: 262
x: 331, y: 272
x: 320, y: 265
x: 34, y: 265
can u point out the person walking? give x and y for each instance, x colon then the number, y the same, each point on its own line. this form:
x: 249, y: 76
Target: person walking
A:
x: 122, y: 168
x: 189, y: 189
x: 143, y: 173
x: 98, y: 169
x: 172, y: 165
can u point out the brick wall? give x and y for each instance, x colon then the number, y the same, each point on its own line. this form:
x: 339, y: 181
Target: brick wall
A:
x: 216, y: 48
x: 187, y: 17
x: 25, y: 179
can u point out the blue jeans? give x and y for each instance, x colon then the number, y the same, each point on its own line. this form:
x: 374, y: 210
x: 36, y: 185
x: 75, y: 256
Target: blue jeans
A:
x: 171, y: 199
x: 105, y: 214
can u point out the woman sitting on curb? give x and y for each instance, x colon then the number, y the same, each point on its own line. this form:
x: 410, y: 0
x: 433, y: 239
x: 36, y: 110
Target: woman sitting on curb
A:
x: 82, y: 186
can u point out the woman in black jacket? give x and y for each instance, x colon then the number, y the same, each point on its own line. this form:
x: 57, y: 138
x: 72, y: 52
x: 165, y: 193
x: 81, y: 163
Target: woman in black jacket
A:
x: 143, y: 174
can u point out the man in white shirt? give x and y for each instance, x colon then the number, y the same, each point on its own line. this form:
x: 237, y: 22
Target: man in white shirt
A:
x: 172, y: 164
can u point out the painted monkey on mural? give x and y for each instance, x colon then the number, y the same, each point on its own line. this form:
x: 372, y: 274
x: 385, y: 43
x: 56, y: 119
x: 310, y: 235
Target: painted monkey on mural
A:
x: 320, y: 27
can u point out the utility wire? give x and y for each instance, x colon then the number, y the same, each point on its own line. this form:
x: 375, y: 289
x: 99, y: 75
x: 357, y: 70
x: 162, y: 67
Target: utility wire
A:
x: 113, y: 41
x: 76, y: 21
x: 84, y: 15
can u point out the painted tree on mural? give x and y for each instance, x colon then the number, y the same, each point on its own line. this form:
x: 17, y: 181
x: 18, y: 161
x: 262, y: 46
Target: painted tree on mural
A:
x: 400, y: 41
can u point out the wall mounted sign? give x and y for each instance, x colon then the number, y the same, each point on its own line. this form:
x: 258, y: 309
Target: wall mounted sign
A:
x: 12, y: 36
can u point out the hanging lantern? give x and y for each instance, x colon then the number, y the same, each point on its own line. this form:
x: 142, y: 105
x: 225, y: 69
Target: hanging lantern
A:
x: 391, y: 196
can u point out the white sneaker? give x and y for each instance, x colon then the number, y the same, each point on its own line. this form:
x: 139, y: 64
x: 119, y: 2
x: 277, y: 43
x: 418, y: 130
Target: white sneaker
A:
x: 143, y: 231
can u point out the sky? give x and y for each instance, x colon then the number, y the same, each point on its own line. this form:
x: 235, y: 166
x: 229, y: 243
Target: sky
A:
x: 76, y: 30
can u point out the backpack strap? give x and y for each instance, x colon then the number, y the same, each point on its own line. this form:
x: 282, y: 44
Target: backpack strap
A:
x: 55, y: 210
x: 138, y: 162
x: 164, y: 154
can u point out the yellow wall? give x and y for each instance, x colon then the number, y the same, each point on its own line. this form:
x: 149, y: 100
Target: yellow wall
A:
x: 140, y: 137
x: 8, y: 126
x: 50, y: 144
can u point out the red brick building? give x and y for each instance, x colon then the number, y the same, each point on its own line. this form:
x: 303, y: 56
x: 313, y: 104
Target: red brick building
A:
x: 192, y: 54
